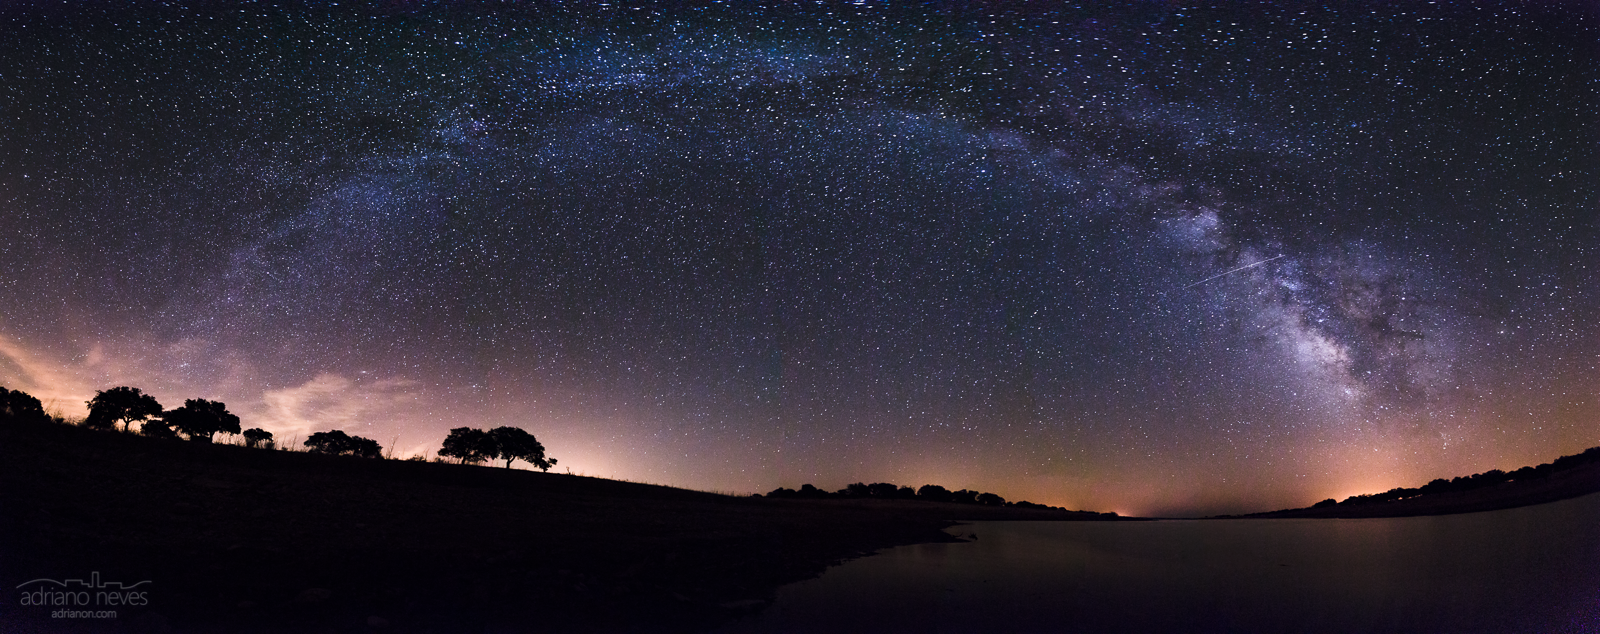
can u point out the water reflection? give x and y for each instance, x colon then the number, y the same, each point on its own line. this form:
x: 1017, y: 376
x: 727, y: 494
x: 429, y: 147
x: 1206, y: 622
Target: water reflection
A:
x: 1534, y: 569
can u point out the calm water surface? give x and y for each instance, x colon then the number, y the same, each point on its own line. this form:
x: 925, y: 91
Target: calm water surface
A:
x: 1533, y: 569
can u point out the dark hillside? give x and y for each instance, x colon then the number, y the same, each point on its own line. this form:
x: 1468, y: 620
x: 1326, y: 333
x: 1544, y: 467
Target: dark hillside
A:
x: 280, y: 541
x: 1566, y: 477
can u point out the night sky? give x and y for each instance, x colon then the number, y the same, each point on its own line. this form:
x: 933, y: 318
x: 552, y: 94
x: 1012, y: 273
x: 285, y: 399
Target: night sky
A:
x: 1152, y: 258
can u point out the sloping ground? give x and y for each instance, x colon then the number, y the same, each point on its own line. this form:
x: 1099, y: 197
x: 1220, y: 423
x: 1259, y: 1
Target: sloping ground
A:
x: 1559, y: 485
x: 238, y: 539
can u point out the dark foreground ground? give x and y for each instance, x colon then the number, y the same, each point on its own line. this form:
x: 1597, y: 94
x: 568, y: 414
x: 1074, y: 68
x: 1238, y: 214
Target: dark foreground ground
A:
x: 1560, y: 485
x: 246, y: 540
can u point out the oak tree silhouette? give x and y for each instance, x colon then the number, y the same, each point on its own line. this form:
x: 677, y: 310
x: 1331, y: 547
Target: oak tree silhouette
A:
x: 365, y: 448
x: 99, y: 419
x: 200, y: 419
x: 20, y: 406
x: 121, y: 404
x: 329, y: 442
x: 338, y: 443
x: 257, y: 437
x: 158, y: 428
x: 512, y: 443
x: 468, y: 445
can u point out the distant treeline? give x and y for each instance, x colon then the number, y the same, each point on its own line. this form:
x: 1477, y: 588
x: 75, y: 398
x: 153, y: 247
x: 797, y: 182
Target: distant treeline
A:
x: 1488, y: 478
x: 927, y: 493
x: 200, y: 420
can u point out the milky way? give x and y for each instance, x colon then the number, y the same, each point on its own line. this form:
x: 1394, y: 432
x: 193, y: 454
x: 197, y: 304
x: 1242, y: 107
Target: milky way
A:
x: 1161, y: 258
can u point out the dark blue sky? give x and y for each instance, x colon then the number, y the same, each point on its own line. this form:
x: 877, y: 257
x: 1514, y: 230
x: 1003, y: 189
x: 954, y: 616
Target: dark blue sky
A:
x: 1156, y: 258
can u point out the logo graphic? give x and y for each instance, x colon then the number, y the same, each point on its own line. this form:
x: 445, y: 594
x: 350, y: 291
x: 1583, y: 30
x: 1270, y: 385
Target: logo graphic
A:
x: 83, y: 599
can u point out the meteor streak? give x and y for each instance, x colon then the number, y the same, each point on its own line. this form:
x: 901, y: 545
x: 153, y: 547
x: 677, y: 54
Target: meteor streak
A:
x: 1247, y: 266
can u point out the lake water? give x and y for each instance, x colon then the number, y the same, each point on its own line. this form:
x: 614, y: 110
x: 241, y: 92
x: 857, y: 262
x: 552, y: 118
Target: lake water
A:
x: 1533, y: 569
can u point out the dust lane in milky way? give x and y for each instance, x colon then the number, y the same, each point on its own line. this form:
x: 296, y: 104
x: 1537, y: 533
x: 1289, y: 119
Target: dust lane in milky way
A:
x: 1157, y: 259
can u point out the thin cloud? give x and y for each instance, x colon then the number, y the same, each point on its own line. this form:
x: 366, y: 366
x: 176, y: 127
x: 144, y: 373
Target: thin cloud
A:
x: 330, y: 401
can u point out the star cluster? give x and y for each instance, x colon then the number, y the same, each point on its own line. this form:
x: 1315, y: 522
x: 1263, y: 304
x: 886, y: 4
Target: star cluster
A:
x: 1155, y: 258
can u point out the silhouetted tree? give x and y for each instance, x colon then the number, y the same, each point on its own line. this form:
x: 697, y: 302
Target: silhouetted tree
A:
x: 933, y: 493
x: 333, y: 442
x: 121, y: 404
x: 1357, y: 500
x: 1490, y: 477
x: 257, y: 437
x: 468, y: 445
x: 812, y: 492
x: 338, y: 443
x: 17, y: 405
x: 200, y: 419
x: 157, y: 428
x: 99, y: 419
x: 1438, y: 485
x: 964, y: 497
x: 1325, y: 503
x: 1566, y: 462
x: 512, y: 443
x: 365, y: 448
x: 1397, y: 493
x: 990, y: 499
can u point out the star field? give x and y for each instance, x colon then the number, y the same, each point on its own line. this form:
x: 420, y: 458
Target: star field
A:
x: 1162, y: 258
